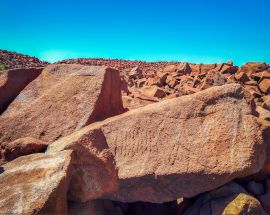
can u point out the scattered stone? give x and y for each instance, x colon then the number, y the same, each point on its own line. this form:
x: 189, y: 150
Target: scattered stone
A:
x: 228, y: 69
x: 204, y: 68
x: 170, y: 69
x: 264, y: 86
x: 213, y: 78
x: 13, y: 60
x: 171, y: 81
x: 153, y: 91
x: 242, y: 77
x: 141, y: 82
x: 136, y: 73
x: 266, y: 102
x: 183, y: 69
x: 253, y: 67
x: 263, y: 113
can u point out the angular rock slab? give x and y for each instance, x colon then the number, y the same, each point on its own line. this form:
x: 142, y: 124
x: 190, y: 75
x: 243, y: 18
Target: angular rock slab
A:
x: 179, y: 147
x: 35, y: 184
x: 23, y: 146
x: 63, y: 99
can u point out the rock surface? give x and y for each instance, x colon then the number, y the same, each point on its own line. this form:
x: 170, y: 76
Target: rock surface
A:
x: 35, y: 184
x: 12, y: 82
x: 63, y: 99
x: 21, y: 147
x: 162, y: 151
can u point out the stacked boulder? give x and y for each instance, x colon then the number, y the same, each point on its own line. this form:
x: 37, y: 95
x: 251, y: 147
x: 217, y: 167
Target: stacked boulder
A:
x: 188, y: 138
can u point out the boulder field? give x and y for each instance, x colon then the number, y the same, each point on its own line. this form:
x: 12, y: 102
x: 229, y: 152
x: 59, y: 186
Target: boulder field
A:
x: 121, y: 137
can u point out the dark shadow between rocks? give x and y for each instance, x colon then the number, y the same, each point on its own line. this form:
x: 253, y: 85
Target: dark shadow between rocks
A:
x: 2, y: 170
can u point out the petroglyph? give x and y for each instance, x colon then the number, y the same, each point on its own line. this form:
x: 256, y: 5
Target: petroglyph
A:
x: 164, y: 147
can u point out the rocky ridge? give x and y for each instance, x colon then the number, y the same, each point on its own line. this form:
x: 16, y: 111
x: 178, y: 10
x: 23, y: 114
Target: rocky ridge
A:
x: 14, y: 60
x: 129, y: 137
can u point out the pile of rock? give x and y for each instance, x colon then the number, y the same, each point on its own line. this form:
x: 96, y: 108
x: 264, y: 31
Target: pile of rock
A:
x: 70, y: 146
x: 182, y: 79
x: 14, y: 60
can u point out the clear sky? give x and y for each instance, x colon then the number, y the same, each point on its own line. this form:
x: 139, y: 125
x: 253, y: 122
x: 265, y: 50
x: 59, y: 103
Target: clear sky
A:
x: 201, y: 31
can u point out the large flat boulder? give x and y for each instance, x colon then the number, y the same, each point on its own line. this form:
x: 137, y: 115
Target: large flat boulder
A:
x: 35, y: 184
x: 13, y: 81
x: 178, y: 147
x: 63, y: 99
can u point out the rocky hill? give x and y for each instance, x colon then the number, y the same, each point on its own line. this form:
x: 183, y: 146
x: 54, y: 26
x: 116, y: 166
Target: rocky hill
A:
x: 14, y: 60
x: 115, y: 137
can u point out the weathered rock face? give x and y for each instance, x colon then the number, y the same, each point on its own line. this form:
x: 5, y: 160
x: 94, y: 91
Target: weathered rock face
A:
x: 35, y: 184
x: 21, y: 147
x: 12, y: 82
x: 94, y: 172
x: 63, y: 99
x: 179, y: 147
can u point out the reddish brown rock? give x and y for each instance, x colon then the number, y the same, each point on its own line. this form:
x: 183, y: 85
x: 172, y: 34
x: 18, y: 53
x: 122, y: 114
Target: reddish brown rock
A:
x: 263, y: 113
x: 204, y: 68
x: 242, y: 77
x: 141, y: 82
x: 94, y: 172
x: 253, y: 90
x: 135, y: 73
x: 23, y: 146
x: 12, y: 82
x: 228, y: 69
x: 171, y: 81
x: 184, y: 69
x: 63, y: 99
x: 264, y: 86
x: 195, y: 68
x: 253, y: 67
x: 137, y: 102
x: 265, y: 75
x: 153, y: 91
x: 266, y: 102
x: 162, y: 79
x: 213, y: 78
x: 170, y: 69
x: 159, y: 154
x: 159, y: 80
x: 13, y: 60
x: 35, y: 184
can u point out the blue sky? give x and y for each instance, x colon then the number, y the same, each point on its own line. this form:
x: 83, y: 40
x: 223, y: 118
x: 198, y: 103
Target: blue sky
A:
x: 201, y: 31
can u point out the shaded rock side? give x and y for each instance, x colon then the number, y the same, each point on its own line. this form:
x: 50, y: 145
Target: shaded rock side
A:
x: 230, y: 199
x: 178, y: 147
x: 12, y: 82
x: 21, y: 147
x: 63, y: 99
x: 35, y: 184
